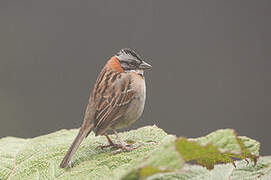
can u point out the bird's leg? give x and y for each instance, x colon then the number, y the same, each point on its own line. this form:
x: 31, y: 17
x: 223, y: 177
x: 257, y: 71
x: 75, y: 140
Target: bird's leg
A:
x: 108, y: 139
x: 110, y: 142
x: 122, y: 146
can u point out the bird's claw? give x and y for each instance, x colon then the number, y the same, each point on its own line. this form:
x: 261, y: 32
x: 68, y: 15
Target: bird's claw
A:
x: 125, y: 148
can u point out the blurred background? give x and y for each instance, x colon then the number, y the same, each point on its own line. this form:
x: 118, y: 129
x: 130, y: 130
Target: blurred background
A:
x: 211, y: 63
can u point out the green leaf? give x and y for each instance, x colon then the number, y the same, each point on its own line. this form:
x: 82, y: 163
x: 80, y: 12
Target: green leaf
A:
x: 207, y: 155
x: 9, y: 147
x: 220, y: 146
x: 243, y: 171
x: 39, y: 158
x: 164, y: 158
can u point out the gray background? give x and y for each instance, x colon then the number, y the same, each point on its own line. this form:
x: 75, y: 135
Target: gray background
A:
x: 211, y: 63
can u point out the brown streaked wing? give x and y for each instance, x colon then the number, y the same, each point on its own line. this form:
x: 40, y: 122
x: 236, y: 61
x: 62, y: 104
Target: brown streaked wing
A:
x: 112, y: 100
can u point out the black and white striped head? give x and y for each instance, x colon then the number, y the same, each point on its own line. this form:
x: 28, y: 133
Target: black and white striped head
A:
x: 131, y: 61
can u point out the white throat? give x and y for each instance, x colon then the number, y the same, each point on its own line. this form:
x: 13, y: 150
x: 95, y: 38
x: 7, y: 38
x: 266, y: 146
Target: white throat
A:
x: 138, y: 71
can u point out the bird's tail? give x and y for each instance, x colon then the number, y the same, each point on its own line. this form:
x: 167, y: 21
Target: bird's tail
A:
x: 83, y: 132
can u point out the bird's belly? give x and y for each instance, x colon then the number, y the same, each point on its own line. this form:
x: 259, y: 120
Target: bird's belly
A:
x: 135, y: 109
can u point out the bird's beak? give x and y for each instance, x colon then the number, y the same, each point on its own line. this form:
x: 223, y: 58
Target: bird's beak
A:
x: 144, y: 65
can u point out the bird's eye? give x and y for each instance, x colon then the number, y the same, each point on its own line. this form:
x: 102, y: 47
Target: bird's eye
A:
x: 133, y: 64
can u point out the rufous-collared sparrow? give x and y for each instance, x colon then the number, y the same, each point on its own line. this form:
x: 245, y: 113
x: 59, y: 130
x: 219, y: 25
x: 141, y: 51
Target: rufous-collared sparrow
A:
x: 116, y: 101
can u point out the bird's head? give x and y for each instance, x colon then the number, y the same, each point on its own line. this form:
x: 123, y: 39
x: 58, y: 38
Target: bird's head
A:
x: 131, y: 61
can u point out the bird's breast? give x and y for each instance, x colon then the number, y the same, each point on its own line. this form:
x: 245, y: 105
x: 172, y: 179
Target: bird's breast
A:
x: 136, y: 106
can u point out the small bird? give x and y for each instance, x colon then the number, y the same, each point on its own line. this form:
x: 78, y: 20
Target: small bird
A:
x: 116, y: 101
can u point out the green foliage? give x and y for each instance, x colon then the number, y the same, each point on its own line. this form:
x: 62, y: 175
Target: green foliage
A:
x: 220, y: 146
x: 243, y: 171
x: 164, y: 158
x: 39, y: 158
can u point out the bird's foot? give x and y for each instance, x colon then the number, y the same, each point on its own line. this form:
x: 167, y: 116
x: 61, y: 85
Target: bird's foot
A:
x: 115, y: 145
x: 125, y: 148
x: 130, y: 147
x: 109, y: 146
x: 105, y: 146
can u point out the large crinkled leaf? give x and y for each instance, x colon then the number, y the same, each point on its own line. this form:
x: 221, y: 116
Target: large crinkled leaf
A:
x: 224, y: 139
x: 220, y: 146
x: 207, y: 155
x: 162, y: 159
x: 243, y: 171
x: 9, y: 147
x: 39, y: 158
